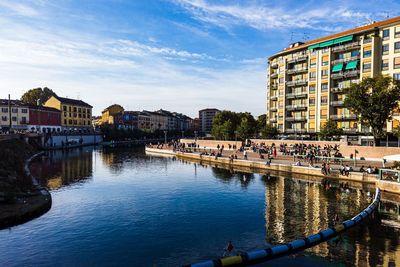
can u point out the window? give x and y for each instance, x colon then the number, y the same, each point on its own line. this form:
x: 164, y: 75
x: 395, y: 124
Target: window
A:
x: 396, y: 76
x: 397, y: 32
x: 324, y: 87
x: 24, y: 110
x: 396, y: 63
x: 385, y: 64
x: 385, y: 49
x: 313, y: 75
x: 386, y: 34
x: 312, y: 88
x: 4, y: 118
x: 64, y: 108
x: 397, y: 47
x: 14, y: 118
x: 312, y: 102
x: 367, y: 53
x: 88, y: 122
x: 313, y: 63
x: 355, y: 53
x: 70, y: 109
x: 5, y: 110
x: 14, y: 110
x: 324, y: 73
x: 324, y: 100
x: 23, y: 120
x: 366, y: 67
x: 74, y: 109
x: 65, y: 121
x: 79, y: 110
x: 280, y: 81
x: 70, y: 121
x: 65, y: 114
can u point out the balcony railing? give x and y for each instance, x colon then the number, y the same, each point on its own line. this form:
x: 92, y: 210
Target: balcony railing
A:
x: 296, y: 83
x: 273, y: 120
x: 350, y: 130
x: 343, y: 60
x: 345, y: 74
x: 302, y: 130
x: 274, y: 75
x: 297, y: 95
x: 274, y: 86
x: 274, y: 65
x: 296, y: 119
x: 338, y: 103
x: 344, y: 117
x: 367, y: 40
x: 274, y: 97
x: 297, y: 58
x: 337, y: 90
x: 297, y: 70
x: 296, y: 107
x: 273, y: 109
x: 346, y: 47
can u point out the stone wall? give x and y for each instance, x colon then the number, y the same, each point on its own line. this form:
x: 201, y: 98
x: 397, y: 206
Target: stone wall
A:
x: 368, y: 152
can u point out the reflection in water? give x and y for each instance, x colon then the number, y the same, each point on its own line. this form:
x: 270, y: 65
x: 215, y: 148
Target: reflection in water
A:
x: 293, y: 208
x: 64, y: 167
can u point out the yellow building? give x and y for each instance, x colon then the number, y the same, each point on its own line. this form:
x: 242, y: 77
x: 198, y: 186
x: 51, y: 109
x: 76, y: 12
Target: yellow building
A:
x: 108, y: 114
x: 306, y: 80
x: 75, y: 113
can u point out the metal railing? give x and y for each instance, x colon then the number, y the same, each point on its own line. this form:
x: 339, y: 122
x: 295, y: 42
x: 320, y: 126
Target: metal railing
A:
x: 297, y: 82
x: 337, y: 103
x: 346, y: 47
x: 297, y: 70
x: 297, y: 95
x: 295, y: 119
x: 345, y: 74
x: 296, y: 107
x: 343, y: 60
x: 344, y: 117
x: 389, y: 175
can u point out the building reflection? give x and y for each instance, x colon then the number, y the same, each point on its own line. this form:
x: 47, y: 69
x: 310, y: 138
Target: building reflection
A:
x: 295, y: 209
x: 61, y: 168
x: 231, y: 175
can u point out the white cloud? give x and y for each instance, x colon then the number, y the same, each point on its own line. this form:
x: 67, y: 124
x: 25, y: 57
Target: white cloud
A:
x: 263, y: 17
x: 15, y: 8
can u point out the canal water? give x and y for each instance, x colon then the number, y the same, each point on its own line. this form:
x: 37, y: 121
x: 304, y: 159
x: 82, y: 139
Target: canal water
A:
x: 121, y: 207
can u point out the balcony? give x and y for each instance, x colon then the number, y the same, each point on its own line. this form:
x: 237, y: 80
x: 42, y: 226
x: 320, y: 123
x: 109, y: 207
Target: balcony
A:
x: 274, y: 75
x: 367, y: 41
x: 346, y: 47
x: 343, y: 117
x: 296, y: 119
x: 345, y: 74
x: 274, y: 97
x: 298, y: 58
x: 272, y: 120
x: 296, y: 107
x: 338, y: 103
x: 337, y: 89
x: 274, y: 86
x: 302, y: 130
x: 296, y: 83
x: 344, y: 60
x: 273, y: 109
x: 296, y: 95
x: 350, y: 130
x: 297, y: 70
x: 274, y: 65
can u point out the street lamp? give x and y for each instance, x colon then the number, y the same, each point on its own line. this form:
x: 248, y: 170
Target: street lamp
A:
x: 165, y: 137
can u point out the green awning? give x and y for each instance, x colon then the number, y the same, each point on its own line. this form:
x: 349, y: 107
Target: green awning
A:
x: 351, y: 65
x: 343, y: 39
x: 337, y: 67
x: 331, y: 42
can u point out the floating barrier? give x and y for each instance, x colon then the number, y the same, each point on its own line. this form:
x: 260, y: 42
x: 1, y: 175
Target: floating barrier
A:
x: 257, y: 256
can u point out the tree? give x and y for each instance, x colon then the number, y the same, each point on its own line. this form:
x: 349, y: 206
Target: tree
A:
x: 247, y: 127
x: 225, y: 124
x: 330, y: 130
x: 396, y: 132
x: 374, y: 100
x: 269, y: 131
x: 37, y: 96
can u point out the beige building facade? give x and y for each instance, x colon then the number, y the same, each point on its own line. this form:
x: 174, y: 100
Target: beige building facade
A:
x: 306, y: 81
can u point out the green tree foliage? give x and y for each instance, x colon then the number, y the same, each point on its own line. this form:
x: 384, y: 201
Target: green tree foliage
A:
x: 374, y: 100
x: 330, y: 130
x: 37, y: 96
x: 225, y: 123
x: 266, y: 130
x: 247, y: 127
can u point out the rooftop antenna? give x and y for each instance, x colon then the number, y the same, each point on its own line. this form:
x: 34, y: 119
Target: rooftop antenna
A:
x: 387, y: 14
x: 305, y: 37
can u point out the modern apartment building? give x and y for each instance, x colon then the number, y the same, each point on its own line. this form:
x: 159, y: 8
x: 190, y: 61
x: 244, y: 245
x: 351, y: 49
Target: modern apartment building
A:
x: 206, y: 117
x: 306, y: 80
x: 75, y: 113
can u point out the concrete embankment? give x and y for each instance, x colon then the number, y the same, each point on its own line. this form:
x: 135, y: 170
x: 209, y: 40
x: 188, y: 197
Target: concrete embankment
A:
x: 307, y: 173
x: 22, y: 198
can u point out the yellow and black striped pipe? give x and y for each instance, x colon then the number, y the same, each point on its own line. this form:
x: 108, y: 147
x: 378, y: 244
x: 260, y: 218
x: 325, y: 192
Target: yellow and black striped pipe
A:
x: 257, y: 256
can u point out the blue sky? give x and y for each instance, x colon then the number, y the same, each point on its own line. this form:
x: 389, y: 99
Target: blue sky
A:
x: 180, y: 55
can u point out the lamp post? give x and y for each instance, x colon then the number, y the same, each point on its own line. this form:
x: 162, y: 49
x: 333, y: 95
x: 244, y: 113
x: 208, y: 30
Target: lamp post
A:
x: 165, y: 137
